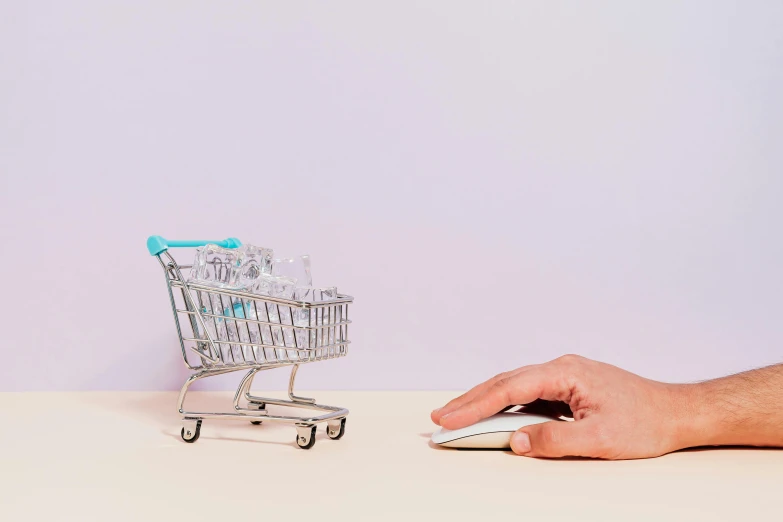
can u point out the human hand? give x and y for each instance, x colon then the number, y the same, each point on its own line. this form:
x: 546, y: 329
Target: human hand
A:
x: 617, y: 414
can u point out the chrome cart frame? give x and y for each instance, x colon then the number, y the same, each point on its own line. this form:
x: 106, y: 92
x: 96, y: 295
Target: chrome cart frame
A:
x: 228, y: 330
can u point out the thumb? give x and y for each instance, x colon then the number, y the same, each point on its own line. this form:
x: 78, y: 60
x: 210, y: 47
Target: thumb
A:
x: 556, y: 439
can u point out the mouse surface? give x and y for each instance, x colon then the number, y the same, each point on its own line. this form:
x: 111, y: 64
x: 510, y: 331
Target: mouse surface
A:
x: 490, y: 433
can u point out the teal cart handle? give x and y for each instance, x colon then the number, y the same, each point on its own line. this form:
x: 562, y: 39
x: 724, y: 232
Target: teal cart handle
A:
x: 157, y: 245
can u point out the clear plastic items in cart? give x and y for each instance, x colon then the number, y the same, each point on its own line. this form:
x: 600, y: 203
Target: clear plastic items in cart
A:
x: 253, y: 269
x: 296, y: 268
x: 274, y: 286
x: 231, y: 267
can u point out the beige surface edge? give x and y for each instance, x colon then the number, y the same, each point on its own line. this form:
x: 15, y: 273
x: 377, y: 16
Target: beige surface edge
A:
x: 118, y: 456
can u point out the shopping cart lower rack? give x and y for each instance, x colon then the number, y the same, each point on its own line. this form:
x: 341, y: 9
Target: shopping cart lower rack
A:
x: 222, y: 331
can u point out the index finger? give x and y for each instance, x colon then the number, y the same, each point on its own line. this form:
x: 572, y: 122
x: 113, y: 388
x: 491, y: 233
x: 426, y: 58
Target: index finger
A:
x: 542, y: 382
x: 471, y: 394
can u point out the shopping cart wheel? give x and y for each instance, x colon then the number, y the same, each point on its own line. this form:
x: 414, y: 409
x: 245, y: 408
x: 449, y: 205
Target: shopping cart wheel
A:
x: 305, y: 436
x: 334, y: 429
x: 190, y: 431
x: 257, y: 406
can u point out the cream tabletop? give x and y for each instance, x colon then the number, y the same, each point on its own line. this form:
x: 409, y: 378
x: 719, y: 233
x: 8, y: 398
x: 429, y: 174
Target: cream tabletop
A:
x: 119, y: 456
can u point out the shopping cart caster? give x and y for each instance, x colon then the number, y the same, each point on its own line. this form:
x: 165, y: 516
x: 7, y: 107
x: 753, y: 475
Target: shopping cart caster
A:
x: 305, y: 436
x: 335, y: 429
x: 257, y: 406
x: 191, y: 431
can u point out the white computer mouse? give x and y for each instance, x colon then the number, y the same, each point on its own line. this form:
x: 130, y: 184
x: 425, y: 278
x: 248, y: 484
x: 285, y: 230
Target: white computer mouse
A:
x: 491, y: 433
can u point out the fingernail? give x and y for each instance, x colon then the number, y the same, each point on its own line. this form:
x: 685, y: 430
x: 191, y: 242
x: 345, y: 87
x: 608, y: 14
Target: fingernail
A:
x: 435, y: 411
x: 520, y: 442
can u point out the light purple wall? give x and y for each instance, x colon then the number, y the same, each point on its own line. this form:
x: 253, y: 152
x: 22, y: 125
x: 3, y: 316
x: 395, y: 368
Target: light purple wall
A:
x: 496, y: 183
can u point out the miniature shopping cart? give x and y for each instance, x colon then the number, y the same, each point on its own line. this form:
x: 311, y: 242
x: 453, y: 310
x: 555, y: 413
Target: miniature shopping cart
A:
x: 222, y: 331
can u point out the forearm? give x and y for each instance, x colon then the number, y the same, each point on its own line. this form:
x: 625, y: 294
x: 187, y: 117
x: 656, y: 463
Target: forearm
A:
x: 743, y: 409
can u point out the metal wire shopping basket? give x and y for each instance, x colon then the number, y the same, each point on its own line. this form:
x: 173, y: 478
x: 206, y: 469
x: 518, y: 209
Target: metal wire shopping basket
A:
x: 222, y: 331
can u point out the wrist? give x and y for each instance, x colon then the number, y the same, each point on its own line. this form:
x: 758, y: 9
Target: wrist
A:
x: 696, y: 420
x: 729, y: 411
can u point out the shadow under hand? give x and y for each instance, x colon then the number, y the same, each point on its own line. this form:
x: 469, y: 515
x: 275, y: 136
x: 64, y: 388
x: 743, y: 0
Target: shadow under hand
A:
x: 700, y: 449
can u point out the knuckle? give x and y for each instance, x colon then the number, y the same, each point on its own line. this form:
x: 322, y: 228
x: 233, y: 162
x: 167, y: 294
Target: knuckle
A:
x: 500, y: 390
x: 570, y: 366
x: 500, y: 383
x: 548, y: 435
x: 546, y: 440
x: 503, y: 377
x: 570, y: 359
